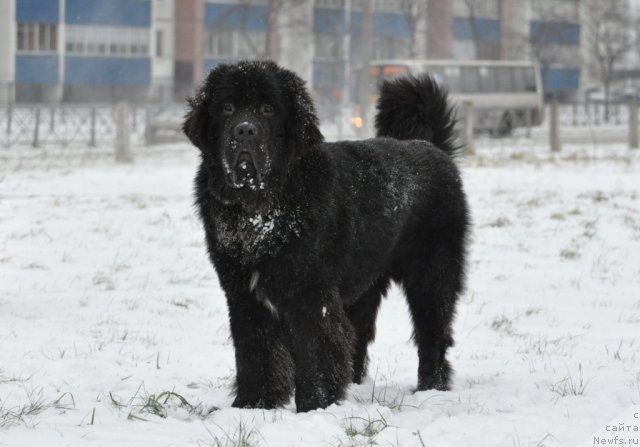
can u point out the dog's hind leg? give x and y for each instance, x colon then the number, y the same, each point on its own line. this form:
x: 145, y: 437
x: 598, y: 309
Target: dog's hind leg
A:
x: 432, y: 277
x: 362, y: 315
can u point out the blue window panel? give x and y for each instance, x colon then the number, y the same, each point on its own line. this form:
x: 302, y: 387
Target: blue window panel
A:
x: 328, y: 21
x: 32, y: 69
x: 561, y: 79
x: 135, y: 13
x: 107, y: 71
x: 225, y: 16
x: 487, y: 29
x: 555, y: 32
x: 43, y: 11
x: 384, y: 25
x: 391, y: 25
x: 331, y: 21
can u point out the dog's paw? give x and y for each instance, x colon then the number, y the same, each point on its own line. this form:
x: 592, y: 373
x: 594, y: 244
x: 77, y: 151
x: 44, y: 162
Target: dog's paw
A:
x: 440, y: 380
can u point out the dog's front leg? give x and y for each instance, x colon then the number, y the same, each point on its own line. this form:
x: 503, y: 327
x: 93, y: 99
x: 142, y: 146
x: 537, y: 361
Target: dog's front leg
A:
x: 264, y: 368
x: 322, y: 344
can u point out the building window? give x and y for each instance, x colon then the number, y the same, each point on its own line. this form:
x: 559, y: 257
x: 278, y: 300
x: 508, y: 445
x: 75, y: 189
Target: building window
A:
x: 252, y: 43
x: 37, y: 37
x: 235, y: 43
x: 385, y: 47
x: 115, y: 41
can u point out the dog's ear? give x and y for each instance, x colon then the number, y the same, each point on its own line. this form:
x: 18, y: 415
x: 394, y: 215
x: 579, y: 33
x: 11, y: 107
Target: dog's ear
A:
x: 195, y: 121
x: 303, y: 129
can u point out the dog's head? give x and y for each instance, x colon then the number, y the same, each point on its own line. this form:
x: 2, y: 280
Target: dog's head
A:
x: 251, y: 121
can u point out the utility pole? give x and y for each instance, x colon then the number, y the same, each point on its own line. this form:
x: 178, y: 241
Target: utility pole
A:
x: 346, y: 58
x: 273, y: 41
x: 366, y: 37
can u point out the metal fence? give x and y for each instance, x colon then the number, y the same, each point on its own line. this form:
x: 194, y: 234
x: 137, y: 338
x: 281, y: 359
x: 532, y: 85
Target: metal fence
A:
x: 94, y: 125
x: 593, y: 114
x: 74, y: 125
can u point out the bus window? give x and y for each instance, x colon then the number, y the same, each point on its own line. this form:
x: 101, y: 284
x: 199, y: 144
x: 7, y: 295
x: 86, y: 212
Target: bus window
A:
x: 470, y: 80
x: 519, y: 84
x: 488, y: 81
x: 437, y: 73
x: 505, y: 83
x: 452, y: 78
x: 530, y: 79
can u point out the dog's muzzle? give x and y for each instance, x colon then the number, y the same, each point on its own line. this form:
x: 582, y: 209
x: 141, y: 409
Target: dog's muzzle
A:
x: 244, y: 162
x: 244, y: 172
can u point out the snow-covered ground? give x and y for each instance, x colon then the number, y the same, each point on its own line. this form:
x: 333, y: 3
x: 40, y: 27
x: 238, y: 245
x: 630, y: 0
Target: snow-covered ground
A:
x: 113, y: 328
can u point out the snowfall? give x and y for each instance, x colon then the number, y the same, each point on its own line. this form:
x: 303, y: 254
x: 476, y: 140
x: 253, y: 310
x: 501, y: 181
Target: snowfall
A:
x: 114, y: 329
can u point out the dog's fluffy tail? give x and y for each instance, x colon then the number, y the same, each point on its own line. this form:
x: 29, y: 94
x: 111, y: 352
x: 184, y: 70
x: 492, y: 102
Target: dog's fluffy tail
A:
x: 416, y: 108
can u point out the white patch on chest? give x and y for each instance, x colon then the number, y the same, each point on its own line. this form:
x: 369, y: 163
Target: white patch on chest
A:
x: 270, y: 307
x: 266, y: 302
x: 255, y: 276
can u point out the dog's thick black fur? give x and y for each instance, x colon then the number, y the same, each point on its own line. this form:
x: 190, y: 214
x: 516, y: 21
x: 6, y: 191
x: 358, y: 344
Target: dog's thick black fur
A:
x: 306, y: 235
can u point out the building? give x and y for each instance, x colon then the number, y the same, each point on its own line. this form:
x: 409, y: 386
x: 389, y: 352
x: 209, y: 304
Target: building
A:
x: 547, y: 31
x: 86, y: 50
x: 214, y: 31
x: 7, y: 51
x: 307, y: 36
x: 79, y: 50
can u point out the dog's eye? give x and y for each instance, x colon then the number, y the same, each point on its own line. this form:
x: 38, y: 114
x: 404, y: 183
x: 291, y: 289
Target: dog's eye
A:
x: 266, y: 110
x: 228, y: 109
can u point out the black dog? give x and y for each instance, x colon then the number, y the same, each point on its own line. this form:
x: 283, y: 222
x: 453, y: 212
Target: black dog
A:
x: 305, y: 235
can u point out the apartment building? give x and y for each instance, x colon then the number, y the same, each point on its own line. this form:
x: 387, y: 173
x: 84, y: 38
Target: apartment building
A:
x: 79, y: 50
x: 86, y: 50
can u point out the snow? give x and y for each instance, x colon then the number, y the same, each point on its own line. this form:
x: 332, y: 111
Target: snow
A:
x: 110, y: 312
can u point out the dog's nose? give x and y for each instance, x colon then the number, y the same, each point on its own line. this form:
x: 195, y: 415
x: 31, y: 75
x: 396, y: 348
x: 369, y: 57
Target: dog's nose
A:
x: 245, y: 132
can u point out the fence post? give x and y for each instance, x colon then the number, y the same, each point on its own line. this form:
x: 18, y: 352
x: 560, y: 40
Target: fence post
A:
x: 147, y: 126
x: 633, y: 124
x: 9, y: 119
x: 469, y: 124
x: 554, y: 137
x: 123, y: 134
x: 134, y: 118
x: 36, y: 129
x: 92, y: 136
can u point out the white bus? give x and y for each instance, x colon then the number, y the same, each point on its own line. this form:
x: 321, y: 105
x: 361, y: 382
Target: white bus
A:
x: 505, y: 94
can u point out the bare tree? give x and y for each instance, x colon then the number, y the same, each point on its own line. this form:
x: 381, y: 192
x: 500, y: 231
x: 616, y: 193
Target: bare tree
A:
x: 416, y: 12
x: 610, y: 35
x: 273, y: 37
x: 242, y: 10
x: 541, y: 42
x: 484, y: 49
